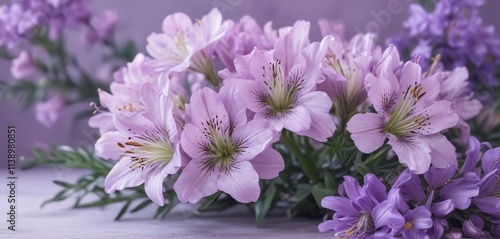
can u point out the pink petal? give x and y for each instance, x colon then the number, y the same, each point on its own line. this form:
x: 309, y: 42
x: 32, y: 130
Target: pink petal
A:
x: 298, y: 119
x: 380, y: 93
x: 241, y: 182
x: 268, y: 164
x: 121, y: 176
x: 154, y: 189
x: 103, y: 121
x: 235, y: 109
x: 195, y: 183
x: 367, y: 131
x: 206, y: 101
x: 322, y: 125
x: 438, y: 117
x: 107, y: 145
x: 177, y: 22
x: 413, y: 152
x: 247, y: 93
x: 255, y: 136
x: 410, y: 75
x: 442, y: 151
x: 289, y: 45
x: 192, y: 140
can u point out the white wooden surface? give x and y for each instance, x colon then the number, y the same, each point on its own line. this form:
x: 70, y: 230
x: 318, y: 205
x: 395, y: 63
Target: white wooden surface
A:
x: 60, y: 221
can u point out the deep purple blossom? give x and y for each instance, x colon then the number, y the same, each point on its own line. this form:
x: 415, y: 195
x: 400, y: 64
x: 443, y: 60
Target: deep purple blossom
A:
x: 365, y: 212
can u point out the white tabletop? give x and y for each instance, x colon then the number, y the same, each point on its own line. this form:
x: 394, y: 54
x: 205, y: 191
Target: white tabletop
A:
x: 59, y: 220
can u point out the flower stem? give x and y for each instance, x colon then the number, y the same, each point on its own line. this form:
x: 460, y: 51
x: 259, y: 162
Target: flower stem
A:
x: 309, y: 169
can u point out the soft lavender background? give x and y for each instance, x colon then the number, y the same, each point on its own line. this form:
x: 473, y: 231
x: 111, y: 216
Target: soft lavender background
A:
x: 137, y: 19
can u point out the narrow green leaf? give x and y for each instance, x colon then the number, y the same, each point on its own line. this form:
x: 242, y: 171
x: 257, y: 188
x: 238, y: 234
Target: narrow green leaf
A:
x: 123, y: 210
x: 264, y: 203
x: 209, y: 200
x: 141, y: 206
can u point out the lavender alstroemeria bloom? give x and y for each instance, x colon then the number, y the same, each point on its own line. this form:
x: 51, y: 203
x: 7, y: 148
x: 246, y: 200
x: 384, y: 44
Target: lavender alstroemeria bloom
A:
x: 23, y: 67
x: 365, y: 211
x: 125, y: 92
x: 186, y: 45
x: 49, y: 111
x: 145, y: 143
x: 279, y: 85
x: 408, y: 114
x: 228, y: 152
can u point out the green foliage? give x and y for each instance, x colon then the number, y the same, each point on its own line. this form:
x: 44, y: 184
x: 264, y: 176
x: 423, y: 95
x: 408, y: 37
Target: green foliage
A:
x: 88, y: 190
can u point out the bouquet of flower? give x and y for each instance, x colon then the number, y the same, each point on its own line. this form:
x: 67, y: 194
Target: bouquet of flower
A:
x: 225, y: 112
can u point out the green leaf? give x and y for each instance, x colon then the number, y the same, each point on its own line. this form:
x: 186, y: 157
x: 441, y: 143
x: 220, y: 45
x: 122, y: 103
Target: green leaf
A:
x: 264, y: 204
x: 360, y: 167
x: 319, y: 192
x: 209, y: 200
x: 123, y: 210
x: 141, y: 206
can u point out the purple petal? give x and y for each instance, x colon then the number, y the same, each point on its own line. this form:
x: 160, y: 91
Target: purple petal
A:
x: 439, y: 117
x: 235, y: 109
x: 367, y: 131
x: 154, y: 189
x: 461, y: 190
x: 204, y: 100
x: 410, y: 186
x: 254, y: 136
x: 380, y: 92
x: 192, y: 140
x: 289, y: 45
x: 375, y: 188
x: 322, y: 125
x: 443, y: 208
x: 491, y: 160
x: 107, y: 145
x: 268, y: 164
x: 326, y: 226
x: 121, y: 176
x: 412, y: 152
x: 342, y: 206
x: 437, y: 177
x: 351, y: 187
x: 386, y: 214
x: 298, y: 119
x: 241, y: 182
x: 175, y: 23
x: 472, y: 155
x: 195, y: 182
x: 442, y: 151
x: 420, y: 217
x: 473, y: 227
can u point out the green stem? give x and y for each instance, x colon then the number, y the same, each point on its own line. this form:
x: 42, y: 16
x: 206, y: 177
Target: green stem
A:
x: 377, y: 155
x: 309, y: 169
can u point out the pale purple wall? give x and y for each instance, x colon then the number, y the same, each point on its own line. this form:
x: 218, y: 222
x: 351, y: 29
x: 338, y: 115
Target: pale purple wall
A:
x: 138, y: 18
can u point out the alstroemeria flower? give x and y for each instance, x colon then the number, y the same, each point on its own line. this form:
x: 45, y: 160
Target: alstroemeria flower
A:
x: 345, y: 67
x: 454, y: 87
x: 279, y: 85
x: 409, y: 116
x: 186, y: 45
x: 228, y: 152
x: 488, y: 200
x: 242, y: 37
x: 146, y: 145
x: 417, y: 221
x: 125, y: 92
x: 364, y: 212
